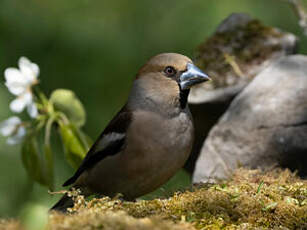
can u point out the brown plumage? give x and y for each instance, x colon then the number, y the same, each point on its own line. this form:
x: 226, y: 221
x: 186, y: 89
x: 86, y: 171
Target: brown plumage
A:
x: 149, y: 139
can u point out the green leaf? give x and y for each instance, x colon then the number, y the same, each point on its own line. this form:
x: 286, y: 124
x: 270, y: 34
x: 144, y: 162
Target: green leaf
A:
x: 75, y: 149
x: 67, y: 102
x: 49, y: 167
x: 38, y: 166
x: 48, y: 154
x: 32, y: 160
x: 84, y: 138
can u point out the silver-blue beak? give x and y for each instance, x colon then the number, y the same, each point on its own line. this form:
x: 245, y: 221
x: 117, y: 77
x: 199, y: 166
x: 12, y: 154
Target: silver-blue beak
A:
x: 192, y: 76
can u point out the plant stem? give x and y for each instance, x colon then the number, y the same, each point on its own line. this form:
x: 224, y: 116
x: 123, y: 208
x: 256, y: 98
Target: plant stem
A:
x: 63, y: 118
x: 40, y: 95
x: 48, y: 130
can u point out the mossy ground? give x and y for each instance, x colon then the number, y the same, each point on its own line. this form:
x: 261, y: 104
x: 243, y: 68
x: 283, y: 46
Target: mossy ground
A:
x: 250, y: 200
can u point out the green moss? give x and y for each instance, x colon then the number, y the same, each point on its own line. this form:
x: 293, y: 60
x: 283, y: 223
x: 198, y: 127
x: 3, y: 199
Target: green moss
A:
x: 10, y: 225
x: 109, y: 220
x: 248, y: 44
x: 250, y: 200
x: 280, y: 201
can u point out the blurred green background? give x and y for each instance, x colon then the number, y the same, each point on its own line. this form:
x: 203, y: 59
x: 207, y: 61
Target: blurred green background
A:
x: 95, y: 47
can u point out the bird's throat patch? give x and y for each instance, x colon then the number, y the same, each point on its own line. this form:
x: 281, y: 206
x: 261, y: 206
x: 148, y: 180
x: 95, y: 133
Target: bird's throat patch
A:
x: 183, y: 97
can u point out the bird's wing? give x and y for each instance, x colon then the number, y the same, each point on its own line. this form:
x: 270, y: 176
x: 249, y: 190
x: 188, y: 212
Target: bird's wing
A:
x: 109, y: 143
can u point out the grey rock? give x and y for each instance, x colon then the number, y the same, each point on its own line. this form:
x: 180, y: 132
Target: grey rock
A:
x: 264, y: 127
x: 251, y: 46
x: 232, y: 22
x: 240, y: 48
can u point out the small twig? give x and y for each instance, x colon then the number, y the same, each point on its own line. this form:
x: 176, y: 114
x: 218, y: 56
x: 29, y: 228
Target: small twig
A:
x: 57, y: 192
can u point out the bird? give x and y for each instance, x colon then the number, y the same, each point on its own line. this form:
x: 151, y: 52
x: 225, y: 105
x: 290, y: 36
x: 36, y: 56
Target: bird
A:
x: 148, y: 140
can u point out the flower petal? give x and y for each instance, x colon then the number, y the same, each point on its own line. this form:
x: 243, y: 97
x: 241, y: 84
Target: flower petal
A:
x: 21, y: 102
x: 15, y: 81
x: 29, y: 70
x: 18, y: 137
x: 32, y: 110
x: 12, y: 140
x: 8, y: 126
x: 17, y: 105
x: 27, y: 97
x: 13, y: 75
x: 35, y: 69
x: 16, y: 88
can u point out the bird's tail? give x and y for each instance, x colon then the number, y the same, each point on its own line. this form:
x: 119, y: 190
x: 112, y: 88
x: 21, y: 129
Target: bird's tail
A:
x: 64, y: 203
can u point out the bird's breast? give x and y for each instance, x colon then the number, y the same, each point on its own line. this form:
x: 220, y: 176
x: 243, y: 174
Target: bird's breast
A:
x: 151, y: 133
x: 157, y: 148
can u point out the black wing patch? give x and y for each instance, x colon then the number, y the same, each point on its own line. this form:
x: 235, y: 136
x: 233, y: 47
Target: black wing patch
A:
x: 119, y: 125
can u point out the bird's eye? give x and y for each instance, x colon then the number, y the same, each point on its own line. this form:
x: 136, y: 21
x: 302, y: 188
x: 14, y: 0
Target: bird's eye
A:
x: 170, y: 71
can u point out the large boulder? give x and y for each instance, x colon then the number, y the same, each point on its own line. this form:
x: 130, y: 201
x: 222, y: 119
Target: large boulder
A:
x: 240, y: 48
x: 265, y: 125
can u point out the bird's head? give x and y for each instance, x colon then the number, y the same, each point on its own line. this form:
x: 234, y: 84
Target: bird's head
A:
x: 166, y: 77
x: 175, y: 67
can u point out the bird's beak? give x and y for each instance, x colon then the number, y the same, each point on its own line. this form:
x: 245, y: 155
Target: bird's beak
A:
x: 192, y: 76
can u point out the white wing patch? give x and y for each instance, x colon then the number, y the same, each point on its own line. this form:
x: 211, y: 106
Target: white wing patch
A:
x: 108, y: 139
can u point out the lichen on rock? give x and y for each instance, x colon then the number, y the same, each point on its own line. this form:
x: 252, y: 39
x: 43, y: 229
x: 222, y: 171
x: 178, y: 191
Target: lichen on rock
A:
x: 250, y: 42
x: 239, y: 49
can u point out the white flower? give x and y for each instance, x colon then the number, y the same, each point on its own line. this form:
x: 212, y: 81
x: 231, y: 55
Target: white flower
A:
x: 19, y: 82
x: 13, y: 129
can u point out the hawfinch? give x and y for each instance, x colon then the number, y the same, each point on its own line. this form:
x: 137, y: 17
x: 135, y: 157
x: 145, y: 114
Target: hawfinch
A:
x: 148, y: 140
